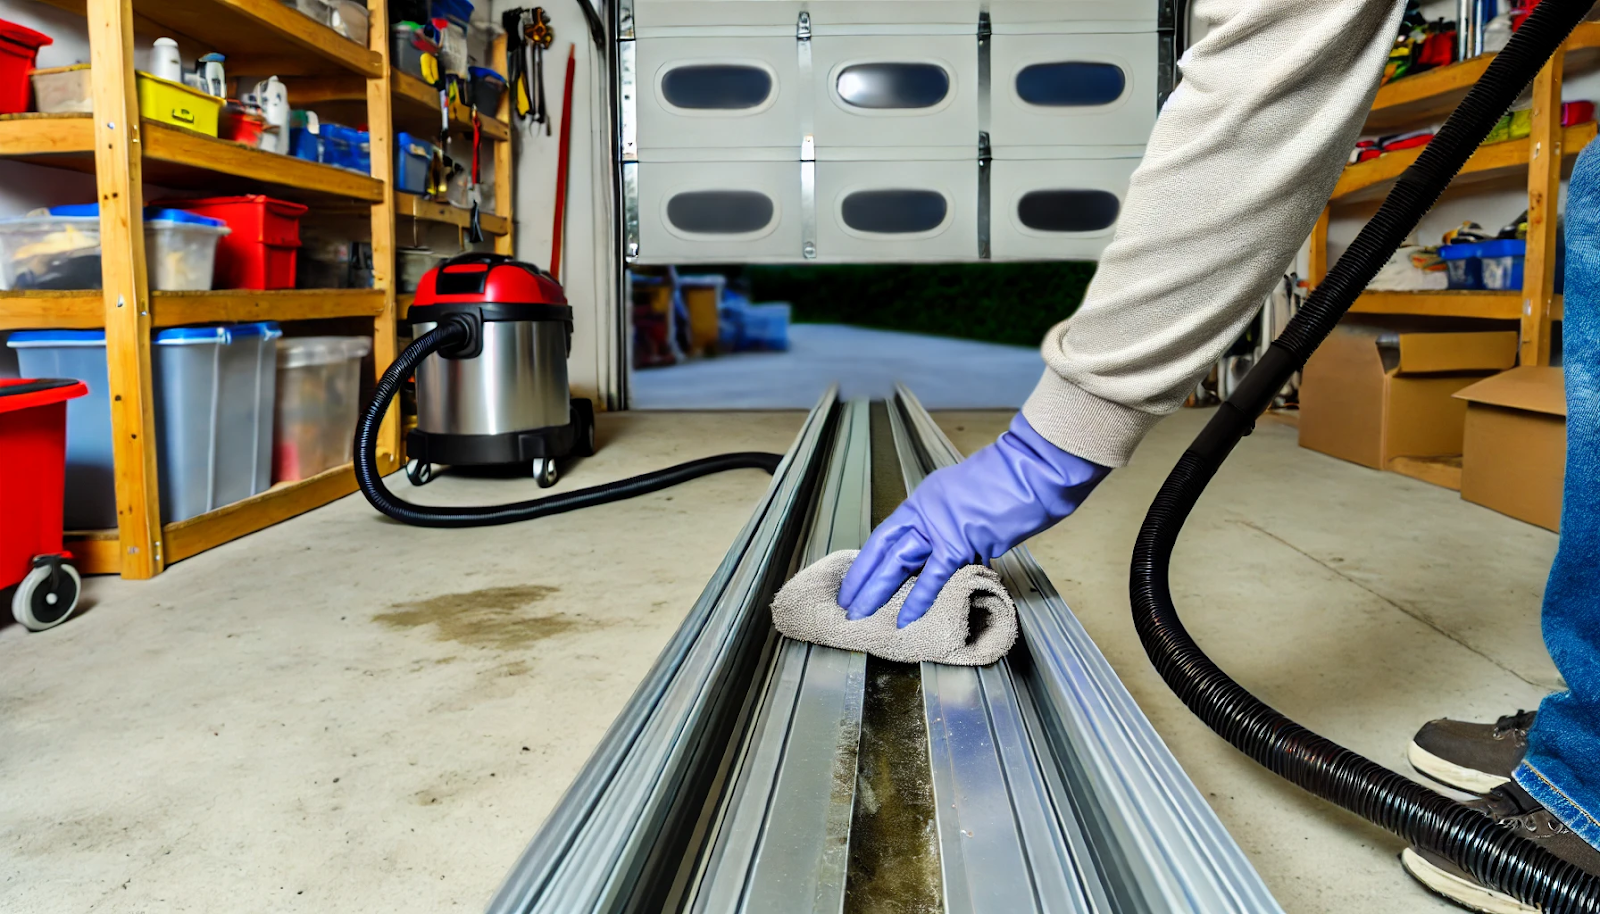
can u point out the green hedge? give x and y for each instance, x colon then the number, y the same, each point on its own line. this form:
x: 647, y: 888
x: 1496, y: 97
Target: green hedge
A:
x: 996, y: 302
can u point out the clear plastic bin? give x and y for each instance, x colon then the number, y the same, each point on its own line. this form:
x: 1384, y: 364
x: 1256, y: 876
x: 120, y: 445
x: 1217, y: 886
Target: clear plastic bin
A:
x: 60, y: 249
x: 62, y: 90
x: 214, y: 391
x: 414, y: 262
x: 319, y: 400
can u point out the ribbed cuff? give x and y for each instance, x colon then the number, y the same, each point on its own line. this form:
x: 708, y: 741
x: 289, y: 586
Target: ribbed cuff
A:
x: 1083, y: 424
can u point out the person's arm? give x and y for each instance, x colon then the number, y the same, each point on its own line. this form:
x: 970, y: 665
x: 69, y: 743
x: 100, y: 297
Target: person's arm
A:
x: 1243, y: 157
x: 1241, y: 161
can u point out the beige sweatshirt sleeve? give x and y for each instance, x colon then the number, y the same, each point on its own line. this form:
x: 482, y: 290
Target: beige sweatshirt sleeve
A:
x: 1243, y: 157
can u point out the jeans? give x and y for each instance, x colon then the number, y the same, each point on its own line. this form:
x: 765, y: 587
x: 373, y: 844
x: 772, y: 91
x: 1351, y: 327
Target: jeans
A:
x: 1562, y: 767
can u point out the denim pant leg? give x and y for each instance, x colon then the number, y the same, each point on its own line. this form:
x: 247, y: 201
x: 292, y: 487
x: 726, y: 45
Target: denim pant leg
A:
x: 1562, y: 769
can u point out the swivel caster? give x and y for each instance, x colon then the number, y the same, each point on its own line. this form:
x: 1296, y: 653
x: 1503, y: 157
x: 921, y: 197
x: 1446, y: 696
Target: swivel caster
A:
x: 545, y: 472
x: 48, y: 595
x: 420, y: 472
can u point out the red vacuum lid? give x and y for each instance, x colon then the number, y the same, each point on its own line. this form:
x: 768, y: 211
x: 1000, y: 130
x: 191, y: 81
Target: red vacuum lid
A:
x: 487, y: 279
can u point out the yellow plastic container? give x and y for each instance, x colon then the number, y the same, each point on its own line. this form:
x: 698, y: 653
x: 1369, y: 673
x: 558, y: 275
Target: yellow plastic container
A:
x: 175, y: 103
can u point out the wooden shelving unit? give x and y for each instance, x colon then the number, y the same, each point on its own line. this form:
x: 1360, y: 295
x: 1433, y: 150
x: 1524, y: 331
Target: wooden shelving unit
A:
x: 125, y: 153
x: 1534, y: 163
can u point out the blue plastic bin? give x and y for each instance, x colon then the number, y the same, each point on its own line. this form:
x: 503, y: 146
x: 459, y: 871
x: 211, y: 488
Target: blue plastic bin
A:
x: 1502, y: 264
x: 413, y: 158
x: 347, y: 147
x: 214, y: 394
x: 1465, y: 263
x: 766, y: 327
x: 303, y: 144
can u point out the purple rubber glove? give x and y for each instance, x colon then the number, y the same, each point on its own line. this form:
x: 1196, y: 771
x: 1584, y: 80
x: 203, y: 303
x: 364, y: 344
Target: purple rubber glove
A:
x: 964, y: 515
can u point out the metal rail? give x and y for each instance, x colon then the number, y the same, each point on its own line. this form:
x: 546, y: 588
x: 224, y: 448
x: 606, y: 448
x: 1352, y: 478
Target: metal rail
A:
x: 732, y: 780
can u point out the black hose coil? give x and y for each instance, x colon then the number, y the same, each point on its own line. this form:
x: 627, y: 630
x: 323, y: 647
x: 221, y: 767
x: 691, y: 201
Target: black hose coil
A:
x: 449, y: 334
x: 1496, y: 856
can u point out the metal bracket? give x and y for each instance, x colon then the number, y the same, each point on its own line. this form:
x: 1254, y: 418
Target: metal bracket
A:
x: 808, y: 197
x: 630, y: 211
x: 625, y: 20
x: 985, y: 168
x: 627, y: 102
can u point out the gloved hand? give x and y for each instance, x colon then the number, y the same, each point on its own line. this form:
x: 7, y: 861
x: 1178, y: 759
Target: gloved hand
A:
x: 967, y: 514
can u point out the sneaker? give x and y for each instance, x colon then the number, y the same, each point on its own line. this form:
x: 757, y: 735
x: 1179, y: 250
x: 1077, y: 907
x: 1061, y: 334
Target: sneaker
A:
x: 1476, y: 758
x: 1511, y: 807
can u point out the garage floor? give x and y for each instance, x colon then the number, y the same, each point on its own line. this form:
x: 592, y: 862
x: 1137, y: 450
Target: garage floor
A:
x: 341, y: 714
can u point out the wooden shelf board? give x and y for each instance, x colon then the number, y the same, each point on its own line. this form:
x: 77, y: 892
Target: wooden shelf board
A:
x: 1370, y: 180
x: 417, y: 112
x: 424, y: 99
x: 252, y: 33
x: 191, y: 537
x: 1504, y: 306
x: 1440, y: 471
x: 95, y: 551
x: 85, y: 310
x: 415, y: 207
x: 174, y: 157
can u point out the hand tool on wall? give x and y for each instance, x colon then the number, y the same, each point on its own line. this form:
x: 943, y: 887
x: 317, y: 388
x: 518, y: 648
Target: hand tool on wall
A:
x: 561, y: 163
x: 539, y: 36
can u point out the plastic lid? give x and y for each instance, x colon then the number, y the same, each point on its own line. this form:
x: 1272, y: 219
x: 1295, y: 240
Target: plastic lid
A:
x: 1503, y: 247
x: 190, y: 336
x: 23, y: 393
x: 1461, y: 251
x: 281, y: 207
x: 268, y: 329
x: 301, y: 351
x: 484, y: 73
x: 151, y: 214
x: 17, y: 34
x: 50, y: 339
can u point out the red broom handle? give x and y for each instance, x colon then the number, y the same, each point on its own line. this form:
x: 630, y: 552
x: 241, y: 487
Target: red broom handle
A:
x: 561, y: 164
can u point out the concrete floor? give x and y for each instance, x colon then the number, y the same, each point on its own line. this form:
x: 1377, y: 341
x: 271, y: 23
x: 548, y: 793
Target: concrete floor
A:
x: 341, y: 714
x: 946, y: 373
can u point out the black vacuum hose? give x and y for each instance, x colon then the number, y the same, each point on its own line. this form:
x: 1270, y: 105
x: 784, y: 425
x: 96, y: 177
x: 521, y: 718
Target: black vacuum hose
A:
x: 1496, y: 856
x: 449, y: 334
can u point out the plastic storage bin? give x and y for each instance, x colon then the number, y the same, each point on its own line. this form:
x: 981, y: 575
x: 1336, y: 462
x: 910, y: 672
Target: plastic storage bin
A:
x: 350, y: 20
x: 1465, y: 263
x: 487, y: 87
x: 61, y: 250
x: 453, y: 38
x: 260, y: 251
x: 33, y: 445
x: 414, y: 262
x: 1502, y: 264
x: 319, y: 400
x: 347, y: 148
x: 19, y: 49
x: 62, y: 90
x: 213, y: 392
x: 413, y: 158
x: 766, y: 327
x: 320, y: 10
x: 407, y: 54
x: 175, y: 103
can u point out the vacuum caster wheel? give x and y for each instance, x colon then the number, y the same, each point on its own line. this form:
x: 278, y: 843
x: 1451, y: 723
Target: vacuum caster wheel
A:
x: 545, y: 472
x: 48, y: 595
x: 419, y: 472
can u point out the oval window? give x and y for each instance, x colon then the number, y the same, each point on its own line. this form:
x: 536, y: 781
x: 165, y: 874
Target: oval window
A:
x: 893, y: 85
x: 894, y: 212
x: 1068, y: 210
x: 716, y: 86
x: 1071, y: 84
x: 720, y: 212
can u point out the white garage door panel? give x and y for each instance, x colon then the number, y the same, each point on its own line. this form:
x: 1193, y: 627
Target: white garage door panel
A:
x: 701, y: 212
x: 896, y: 211
x: 718, y: 92
x: 1056, y: 210
x: 895, y: 90
x: 1073, y: 90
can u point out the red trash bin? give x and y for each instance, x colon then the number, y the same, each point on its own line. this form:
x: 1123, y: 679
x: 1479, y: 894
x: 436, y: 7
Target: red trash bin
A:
x: 33, y: 449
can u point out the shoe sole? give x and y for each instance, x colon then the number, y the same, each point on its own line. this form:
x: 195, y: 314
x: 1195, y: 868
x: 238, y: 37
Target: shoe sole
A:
x: 1463, y: 892
x: 1452, y: 775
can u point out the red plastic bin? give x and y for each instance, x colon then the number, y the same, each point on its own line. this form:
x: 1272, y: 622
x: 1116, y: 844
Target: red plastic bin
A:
x: 33, y: 449
x: 19, y: 48
x: 259, y: 252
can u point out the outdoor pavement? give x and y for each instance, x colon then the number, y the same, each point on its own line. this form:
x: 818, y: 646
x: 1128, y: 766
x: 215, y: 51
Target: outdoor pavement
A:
x: 945, y: 373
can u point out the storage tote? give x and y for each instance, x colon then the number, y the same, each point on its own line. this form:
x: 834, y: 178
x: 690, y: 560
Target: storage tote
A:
x: 259, y: 252
x: 19, y: 49
x: 61, y: 249
x: 319, y: 400
x: 62, y: 90
x: 173, y: 103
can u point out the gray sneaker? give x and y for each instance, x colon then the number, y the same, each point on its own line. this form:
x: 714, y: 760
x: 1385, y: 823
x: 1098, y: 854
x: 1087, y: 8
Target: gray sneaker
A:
x: 1511, y: 807
x: 1476, y: 758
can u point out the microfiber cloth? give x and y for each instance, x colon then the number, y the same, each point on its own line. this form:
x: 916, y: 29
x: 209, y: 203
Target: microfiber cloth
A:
x: 972, y: 622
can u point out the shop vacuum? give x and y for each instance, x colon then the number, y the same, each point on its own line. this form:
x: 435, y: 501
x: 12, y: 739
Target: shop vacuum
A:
x: 491, y: 367
x: 1496, y: 856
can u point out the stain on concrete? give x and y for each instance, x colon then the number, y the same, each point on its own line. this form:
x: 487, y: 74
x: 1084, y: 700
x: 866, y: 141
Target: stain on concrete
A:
x: 494, y: 617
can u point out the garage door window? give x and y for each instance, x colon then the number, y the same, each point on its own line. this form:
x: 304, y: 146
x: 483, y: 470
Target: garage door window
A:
x: 1074, y: 211
x: 1071, y: 84
x: 716, y: 87
x: 892, y: 86
x: 894, y: 212
x: 720, y: 212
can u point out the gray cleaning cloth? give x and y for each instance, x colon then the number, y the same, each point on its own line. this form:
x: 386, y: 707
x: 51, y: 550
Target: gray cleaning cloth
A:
x: 972, y: 622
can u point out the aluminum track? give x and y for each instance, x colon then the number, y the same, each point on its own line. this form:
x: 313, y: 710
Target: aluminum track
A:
x: 729, y: 781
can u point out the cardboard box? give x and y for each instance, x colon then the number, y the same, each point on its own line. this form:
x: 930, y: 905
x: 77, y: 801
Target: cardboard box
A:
x: 1369, y: 395
x: 1515, y: 453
